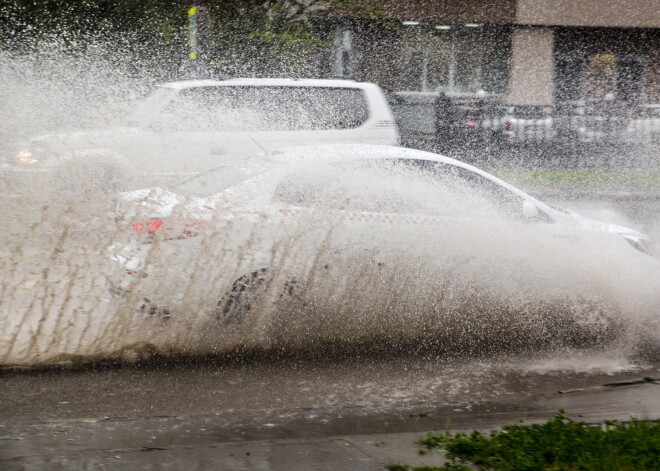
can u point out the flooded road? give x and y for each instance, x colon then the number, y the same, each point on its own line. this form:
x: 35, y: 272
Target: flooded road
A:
x: 359, y: 383
x: 220, y: 412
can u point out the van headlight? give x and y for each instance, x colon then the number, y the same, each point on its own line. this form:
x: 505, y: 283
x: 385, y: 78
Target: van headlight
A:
x: 25, y: 157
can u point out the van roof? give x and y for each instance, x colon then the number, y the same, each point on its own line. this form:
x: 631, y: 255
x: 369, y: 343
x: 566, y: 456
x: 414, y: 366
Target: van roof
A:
x: 266, y: 82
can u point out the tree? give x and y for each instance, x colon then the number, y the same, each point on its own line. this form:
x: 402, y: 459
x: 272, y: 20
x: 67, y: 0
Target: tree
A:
x: 249, y: 37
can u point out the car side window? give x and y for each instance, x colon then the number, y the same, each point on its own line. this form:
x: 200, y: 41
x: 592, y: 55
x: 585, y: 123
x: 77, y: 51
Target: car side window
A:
x: 506, y: 203
x: 509, y: 205
x: 394, y: 186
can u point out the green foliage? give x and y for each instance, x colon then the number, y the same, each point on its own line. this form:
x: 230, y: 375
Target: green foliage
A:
x: 446, y: 467
x: 139, y: 35
x: 145, y: 18
x: 250, y: 37
x: 560, y: 444
x: 374, y: 11
x: 592, y: 178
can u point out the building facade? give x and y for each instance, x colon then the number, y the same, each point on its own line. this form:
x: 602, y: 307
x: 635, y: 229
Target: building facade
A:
x: 519, y: 52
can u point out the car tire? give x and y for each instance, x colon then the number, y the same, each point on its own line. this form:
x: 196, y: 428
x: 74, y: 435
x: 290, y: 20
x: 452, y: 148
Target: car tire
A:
x: 236, y: 303
x: 153, y: 310
x: 239, y: 301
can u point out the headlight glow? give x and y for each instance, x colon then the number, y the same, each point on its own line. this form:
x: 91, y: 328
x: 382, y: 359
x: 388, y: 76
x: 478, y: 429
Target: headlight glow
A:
x: 24, y: 157
x: 642, y: 244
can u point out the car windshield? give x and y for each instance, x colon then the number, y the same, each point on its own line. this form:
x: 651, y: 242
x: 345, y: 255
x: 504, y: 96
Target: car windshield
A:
x: 265, y: 108
x: 221, y: 177
x: 398, y: 186
x: 150, y: 107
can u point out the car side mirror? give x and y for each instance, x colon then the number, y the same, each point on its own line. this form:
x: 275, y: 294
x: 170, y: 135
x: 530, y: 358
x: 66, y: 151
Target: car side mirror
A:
x: 530, y: 211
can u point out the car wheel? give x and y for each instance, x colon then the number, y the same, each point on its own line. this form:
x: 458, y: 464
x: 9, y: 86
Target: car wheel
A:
x: 234, y: 306
x: 240, y: 300
x: 152, y: 310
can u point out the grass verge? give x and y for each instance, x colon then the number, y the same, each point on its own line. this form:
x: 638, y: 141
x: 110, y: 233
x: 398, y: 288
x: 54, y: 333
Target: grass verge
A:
x: 593, y: 178
x: 560, y: 444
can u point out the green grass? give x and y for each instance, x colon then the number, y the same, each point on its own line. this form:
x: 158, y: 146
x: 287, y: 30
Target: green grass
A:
x: 560, y: 444
x: 594, y: 178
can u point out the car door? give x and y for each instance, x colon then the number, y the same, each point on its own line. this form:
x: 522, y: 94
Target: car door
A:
x: 382, y: 213
x: 409, y: 215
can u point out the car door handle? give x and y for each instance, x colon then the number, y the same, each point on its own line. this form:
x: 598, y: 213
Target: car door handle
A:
x: 216, y: 150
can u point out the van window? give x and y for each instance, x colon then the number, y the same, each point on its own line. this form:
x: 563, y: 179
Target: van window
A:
x: 267, y: 108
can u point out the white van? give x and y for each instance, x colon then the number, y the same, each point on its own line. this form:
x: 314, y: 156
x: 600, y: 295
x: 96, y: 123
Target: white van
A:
x: 186, y: 127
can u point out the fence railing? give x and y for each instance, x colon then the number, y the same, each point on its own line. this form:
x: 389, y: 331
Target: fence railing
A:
x: 418, y: 118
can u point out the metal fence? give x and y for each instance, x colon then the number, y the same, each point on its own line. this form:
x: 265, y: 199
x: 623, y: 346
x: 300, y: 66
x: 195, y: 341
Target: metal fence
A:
x: 487, y: 123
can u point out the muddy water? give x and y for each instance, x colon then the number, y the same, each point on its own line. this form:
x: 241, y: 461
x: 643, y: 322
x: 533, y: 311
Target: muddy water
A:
x: 56, y: 306
x: 354, y: 381
x: 359, y: 384
x: 134, y: 396
x: 510, y: 293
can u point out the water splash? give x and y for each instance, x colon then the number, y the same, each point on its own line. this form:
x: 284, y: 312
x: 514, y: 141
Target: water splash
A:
x: 322, y: 285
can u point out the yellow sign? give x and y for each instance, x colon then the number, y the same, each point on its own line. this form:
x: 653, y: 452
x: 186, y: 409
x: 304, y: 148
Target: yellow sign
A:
x: 192, y: 33
x: 602, y: 64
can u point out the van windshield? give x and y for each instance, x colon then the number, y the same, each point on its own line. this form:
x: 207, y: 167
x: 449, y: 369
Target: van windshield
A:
x: 266, y: 108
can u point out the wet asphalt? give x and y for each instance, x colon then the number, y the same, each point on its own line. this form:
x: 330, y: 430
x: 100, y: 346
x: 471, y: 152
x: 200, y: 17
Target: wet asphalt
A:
x: 275, y: 416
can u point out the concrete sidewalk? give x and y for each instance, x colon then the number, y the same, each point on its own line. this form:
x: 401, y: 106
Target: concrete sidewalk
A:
x: 297, y: 440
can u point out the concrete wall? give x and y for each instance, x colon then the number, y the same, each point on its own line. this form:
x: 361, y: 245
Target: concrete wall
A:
x: 613, y: 13
x: 532, y: 66
x: 467, y: 11
x: 600, y: 13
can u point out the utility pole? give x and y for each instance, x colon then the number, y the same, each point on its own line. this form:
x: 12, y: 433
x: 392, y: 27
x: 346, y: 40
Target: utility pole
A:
x: 197, y: 59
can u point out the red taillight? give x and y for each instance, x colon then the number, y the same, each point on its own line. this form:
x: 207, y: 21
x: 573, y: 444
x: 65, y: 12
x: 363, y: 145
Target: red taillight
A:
x: 508, y: 126
x: 175, y: 230
x: 470, y: 123
x: 152, y: 225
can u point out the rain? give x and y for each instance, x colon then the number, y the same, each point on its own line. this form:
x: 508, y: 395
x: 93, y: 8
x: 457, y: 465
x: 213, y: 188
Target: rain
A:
x: 325, y: 218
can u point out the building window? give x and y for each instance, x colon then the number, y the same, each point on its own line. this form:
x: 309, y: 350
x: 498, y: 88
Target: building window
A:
x: 601, y: 79
x: 415, y: 72
x: 571, y: 72
x: 457, y: 60
x: 602, y: 76
x: 631, y: 78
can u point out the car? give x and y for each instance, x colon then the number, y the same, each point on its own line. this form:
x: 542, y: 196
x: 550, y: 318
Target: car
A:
x: 341, y: 223
x: 185, y: 127
x: 591, y: 121
x: 492, y: 122
x: 476, y: 122
x: 644, y: 127
x: 522, y: 124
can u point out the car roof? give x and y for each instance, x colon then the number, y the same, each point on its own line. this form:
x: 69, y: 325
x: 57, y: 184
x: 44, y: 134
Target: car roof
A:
x: 338, y: 152
x: 266, y: 82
